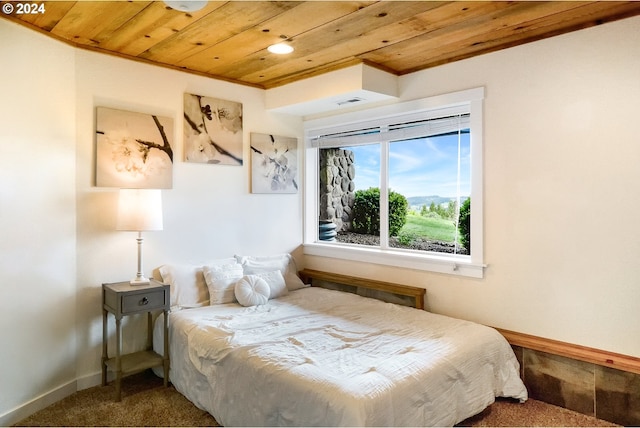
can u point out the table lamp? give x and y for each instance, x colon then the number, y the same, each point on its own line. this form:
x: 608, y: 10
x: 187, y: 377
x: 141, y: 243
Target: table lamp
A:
x: 139, y: 210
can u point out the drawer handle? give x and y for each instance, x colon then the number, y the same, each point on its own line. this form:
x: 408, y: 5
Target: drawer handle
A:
x: 144, y: 301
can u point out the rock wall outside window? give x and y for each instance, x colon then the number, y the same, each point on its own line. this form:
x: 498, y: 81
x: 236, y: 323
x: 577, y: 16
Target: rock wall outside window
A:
x: 337, y: 188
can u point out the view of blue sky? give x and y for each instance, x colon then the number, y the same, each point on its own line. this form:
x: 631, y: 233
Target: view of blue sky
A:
x: 420, y: 167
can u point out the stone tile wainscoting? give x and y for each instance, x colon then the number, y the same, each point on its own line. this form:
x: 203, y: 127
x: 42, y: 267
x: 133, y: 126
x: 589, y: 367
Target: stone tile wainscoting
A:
x: 585, y: 387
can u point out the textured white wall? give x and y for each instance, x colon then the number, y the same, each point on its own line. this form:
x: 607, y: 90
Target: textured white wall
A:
x: 37, y: 216
x: 562, y: 186
x: 209, y: 213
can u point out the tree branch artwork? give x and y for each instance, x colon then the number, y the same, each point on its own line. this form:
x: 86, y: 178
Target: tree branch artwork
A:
x: 212, y: 130
x: 133, y: 150
x: 274, y: 164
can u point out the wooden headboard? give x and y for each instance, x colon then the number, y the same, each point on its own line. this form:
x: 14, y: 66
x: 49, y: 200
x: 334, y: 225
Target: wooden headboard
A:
x: 415, y: 293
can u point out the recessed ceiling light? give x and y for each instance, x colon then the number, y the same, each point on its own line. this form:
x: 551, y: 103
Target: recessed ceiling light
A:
x: 186, y: 5
x: 280, y: 48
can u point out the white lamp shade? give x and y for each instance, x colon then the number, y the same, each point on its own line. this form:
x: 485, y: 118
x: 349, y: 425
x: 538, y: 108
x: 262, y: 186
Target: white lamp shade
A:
x: 139, y: 209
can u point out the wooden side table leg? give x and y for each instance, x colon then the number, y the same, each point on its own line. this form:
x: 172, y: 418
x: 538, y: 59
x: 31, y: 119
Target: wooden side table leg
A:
x: 118, y: 357
x: 105, y: 355
x: 149, y: 331
x: 166, y: 348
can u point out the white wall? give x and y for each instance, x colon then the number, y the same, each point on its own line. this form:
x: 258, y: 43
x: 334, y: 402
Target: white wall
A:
x: 562, y: 190
x: 37, y: 217
x: 209, y: 213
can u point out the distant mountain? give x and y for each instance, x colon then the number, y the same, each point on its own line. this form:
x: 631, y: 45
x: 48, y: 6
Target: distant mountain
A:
x: 419, y: 201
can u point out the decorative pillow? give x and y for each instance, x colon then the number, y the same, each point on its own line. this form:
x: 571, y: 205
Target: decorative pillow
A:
x: 275, y: 281
x: 220, y: 281
x: 251, y: 290
x: 282, y: 262
x: 187, y: 283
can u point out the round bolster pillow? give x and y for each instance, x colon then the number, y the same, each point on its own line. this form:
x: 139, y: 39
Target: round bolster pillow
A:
x: 252, y: 290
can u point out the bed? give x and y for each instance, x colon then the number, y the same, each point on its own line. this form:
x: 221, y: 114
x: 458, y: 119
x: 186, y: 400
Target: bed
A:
x: 319, y: 357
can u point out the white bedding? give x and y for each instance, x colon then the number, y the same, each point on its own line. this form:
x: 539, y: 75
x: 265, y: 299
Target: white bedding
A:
x: 329, y: 358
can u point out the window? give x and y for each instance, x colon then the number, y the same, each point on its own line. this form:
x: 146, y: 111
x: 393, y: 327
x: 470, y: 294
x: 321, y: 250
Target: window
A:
x: 394, y: 185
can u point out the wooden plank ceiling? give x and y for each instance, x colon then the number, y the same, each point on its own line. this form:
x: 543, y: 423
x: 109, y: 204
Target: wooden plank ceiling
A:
x: 227, y: 40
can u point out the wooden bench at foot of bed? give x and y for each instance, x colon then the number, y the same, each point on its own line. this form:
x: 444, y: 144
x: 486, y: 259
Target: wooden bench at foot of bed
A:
x: 415, y: 293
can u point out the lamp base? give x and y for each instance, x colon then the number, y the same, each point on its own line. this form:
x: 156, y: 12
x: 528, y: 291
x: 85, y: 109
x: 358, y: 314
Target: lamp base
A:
x: 139, y: 281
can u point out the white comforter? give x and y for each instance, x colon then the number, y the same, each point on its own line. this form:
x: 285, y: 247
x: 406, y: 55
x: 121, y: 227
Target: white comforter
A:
x: 322, y: 357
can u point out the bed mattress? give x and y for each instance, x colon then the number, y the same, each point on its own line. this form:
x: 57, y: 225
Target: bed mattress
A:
x: 318, y: 357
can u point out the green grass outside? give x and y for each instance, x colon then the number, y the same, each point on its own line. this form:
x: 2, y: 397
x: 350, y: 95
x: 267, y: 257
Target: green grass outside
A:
x: 429, y: 228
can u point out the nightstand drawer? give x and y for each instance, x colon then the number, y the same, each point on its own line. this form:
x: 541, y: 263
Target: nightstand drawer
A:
x: 122, y: 298
x: 143, y: 301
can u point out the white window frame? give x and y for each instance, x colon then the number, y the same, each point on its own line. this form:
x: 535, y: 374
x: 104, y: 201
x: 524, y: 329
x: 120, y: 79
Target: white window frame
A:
x: 470, y: 266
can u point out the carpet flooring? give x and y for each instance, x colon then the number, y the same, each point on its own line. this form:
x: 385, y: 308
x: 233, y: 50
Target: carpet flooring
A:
x: 145, y: 402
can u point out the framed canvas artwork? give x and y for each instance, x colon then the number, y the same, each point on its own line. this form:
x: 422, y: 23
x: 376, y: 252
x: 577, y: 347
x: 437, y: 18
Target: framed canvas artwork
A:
x: 274, y: 164
x: 133, y: 150
x: 212, y: 130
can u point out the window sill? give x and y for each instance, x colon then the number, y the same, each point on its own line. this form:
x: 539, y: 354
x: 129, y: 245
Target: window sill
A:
x: 450, y: 264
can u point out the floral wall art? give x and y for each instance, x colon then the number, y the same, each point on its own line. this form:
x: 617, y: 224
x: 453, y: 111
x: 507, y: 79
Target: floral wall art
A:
x: 274, y: 164
x: 133, y: 150
x: 212, y: 130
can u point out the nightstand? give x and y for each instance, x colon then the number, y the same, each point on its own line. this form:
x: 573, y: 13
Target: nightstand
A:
x: 122, y: 299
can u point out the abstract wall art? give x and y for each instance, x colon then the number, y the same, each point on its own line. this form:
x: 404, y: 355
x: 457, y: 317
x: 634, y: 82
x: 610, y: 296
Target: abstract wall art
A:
x: 212, y: 130
x: 274, y: 164
x: 133, y: 150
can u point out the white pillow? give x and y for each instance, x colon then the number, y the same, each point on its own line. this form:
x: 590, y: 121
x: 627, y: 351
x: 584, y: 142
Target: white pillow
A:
x: 220, y: 281
x: 188, y: 288
x: 186, y: 285
x: 275, y: 281
x: 282, y: 262
x: 251, y: 290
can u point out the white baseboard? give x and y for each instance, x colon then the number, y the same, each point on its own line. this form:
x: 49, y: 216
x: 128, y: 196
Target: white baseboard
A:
x: 92, y: 380
x: 19, y: 413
